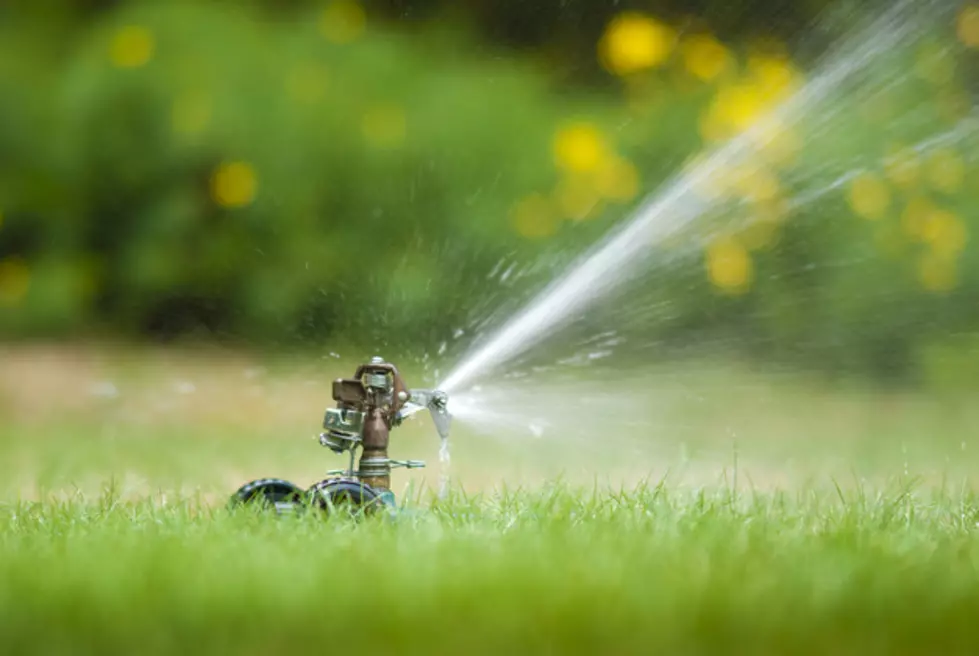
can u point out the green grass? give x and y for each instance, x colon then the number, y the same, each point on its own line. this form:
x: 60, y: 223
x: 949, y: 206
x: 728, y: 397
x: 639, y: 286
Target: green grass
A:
x: 783, y: 516
x: 554, y: 570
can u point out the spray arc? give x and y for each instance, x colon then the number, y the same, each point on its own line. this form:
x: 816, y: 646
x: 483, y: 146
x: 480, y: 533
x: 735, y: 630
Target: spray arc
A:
x: 368, y: 406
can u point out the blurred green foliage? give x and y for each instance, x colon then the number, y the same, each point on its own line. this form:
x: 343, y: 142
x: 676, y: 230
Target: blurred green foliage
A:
x: 293, y: 171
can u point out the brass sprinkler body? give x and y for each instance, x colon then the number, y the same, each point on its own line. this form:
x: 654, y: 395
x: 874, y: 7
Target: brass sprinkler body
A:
x: 368, y: 406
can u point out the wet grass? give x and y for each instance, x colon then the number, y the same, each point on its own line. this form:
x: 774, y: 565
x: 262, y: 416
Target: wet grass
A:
x: 556, y: 570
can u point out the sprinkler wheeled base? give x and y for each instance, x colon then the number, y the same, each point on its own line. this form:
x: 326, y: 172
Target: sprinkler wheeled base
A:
x: 332, y: 494
x: 368, y: 406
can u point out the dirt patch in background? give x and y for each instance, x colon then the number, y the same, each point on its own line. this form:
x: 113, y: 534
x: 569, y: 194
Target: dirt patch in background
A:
x: 44, y: 383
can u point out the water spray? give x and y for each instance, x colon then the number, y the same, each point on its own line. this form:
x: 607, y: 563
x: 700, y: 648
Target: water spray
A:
x: 682, y: 200
x: 368, y: 406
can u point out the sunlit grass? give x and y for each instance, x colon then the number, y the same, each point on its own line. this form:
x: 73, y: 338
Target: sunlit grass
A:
x: 763, y: 513
x: 558, y: 570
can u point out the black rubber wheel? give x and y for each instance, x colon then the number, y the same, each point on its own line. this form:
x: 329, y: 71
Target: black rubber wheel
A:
x: 345, y: 496
x: 270, y: 493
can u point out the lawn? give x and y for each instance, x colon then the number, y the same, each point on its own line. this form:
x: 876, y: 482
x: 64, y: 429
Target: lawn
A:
x: 763, y: 517
x: 553, y: 570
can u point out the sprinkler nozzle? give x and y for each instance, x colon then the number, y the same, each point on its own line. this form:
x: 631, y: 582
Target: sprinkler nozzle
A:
x: 437, y: 403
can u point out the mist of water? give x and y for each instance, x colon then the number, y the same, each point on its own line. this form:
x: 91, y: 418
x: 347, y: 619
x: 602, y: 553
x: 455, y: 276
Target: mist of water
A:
x: 681, y: 201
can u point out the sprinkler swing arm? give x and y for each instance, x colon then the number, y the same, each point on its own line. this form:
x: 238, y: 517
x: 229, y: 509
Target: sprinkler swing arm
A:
x: 368, y: 406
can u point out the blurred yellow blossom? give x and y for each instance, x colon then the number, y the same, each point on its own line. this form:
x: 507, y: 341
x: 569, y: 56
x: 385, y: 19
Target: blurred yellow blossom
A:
x: 915, y: 216
x: 869, y: 196
x: 15, y: 280
x: 190, y: 113
x: 734, y: 109
x: 968, y: 25
x: 774, y: 76
x: 757, y: 183
x: 903, y: 168
x: 722, y: 181
x: 778, y: 144
x: 384, y: 126
x: 715, y: 186
x: 712, y: 127
x: 618, y: 180
x: 534, y: 217
x: 729, y: 266
x: 946, y: 170
x: 132, y: 46
x: 343, y: 21
x: 576, y: 197
x: 634, y: 42
x: 705, y: 57
x: 580, y: 147
x: 234, y: 184
x: 945, y: 233
x: 937, y: 274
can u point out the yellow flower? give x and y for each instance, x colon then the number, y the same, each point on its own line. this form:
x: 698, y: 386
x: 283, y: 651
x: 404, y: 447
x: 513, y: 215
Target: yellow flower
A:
x: 869, y: 196
x: 577, y: 197
x: 737, y: 107
x: 132, y: 46
x: 634, y: 42
x: 234, y: 184
x: 618, y: 180
x: 712, y: 126
x: 773, y: 75
x: 761, y: 233
x: 937, y: 274
x: 903, y: 168
x: 916, y: 215
x: 580, y: 148
x: 757, y: 184
x: 15, y: 280
x: 945, y: 233
x: 343, y: 21
x: 968, y: 25
x: 384, y: 126
x: 729, y: 266
x: 946, y: 170
x: 534, y: 217
x: 777, y: 144
x: 705, y: 57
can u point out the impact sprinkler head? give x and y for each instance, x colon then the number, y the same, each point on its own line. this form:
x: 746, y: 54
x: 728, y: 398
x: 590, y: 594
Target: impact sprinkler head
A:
x: 368, y: 406
x: 437, y: 403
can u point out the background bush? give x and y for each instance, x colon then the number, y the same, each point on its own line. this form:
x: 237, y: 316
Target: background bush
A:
x: 295, y: 172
